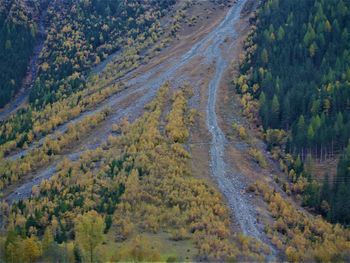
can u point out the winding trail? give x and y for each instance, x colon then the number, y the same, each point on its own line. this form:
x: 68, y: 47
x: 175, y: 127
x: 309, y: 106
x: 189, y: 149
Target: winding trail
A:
x: 211, y: 52
x: 230, y: 184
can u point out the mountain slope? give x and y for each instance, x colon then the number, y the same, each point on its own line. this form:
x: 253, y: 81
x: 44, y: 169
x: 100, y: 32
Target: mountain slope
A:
x: 139, y: 161
x: 18, y: 30
x: 297, y: 68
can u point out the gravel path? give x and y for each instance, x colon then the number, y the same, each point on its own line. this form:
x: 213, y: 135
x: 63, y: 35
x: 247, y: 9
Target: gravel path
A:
x: 230, y: 184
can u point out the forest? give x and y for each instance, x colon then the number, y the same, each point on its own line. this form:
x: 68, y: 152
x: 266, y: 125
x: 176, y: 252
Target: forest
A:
x: 297, y: 69
x: 66, y: 80
x: 18, y: 32
x: 175, y: 131
x: 138, y: 184
x: 82, y: 34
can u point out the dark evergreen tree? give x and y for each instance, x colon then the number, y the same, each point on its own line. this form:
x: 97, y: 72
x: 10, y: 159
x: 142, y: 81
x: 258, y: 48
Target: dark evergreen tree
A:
x: 302, y: 66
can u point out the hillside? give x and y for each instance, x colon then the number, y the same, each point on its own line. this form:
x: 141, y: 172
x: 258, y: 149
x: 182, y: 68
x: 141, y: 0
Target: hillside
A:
x: 175, y: 131
x: 297, y: 68
x: 18, y: 30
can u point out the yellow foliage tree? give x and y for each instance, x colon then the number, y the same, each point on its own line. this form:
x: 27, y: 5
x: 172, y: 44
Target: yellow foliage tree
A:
x: 89, y: 232
x: 31, y: 249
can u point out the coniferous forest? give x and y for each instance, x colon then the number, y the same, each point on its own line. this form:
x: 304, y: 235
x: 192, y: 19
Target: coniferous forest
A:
x: 298, y: 70
x: 18, y: 32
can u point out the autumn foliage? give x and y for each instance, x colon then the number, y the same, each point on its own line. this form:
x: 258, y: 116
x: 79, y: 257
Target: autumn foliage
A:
x: 138, y: 182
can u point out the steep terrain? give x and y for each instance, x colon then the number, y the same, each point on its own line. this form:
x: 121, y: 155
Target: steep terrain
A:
x: 19, y: 33
x: 213, y: 47
x: 21, y: 97
x: 206, y: 50
x: 143, y: 145
x: 297, y: 68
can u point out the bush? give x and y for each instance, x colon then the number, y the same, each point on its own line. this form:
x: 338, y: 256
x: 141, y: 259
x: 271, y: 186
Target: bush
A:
x: 258, y: 157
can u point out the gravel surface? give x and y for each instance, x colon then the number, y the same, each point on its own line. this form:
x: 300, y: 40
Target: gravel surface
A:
x: 231, y: 184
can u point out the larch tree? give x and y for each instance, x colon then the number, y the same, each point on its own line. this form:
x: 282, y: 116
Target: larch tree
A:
x: 31, y: 249
x: 89, y: 232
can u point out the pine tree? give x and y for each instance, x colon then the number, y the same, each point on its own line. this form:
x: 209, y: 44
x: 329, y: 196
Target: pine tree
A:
x: 265, y: 56
x: 275, y: 112
x: 281, y: 33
